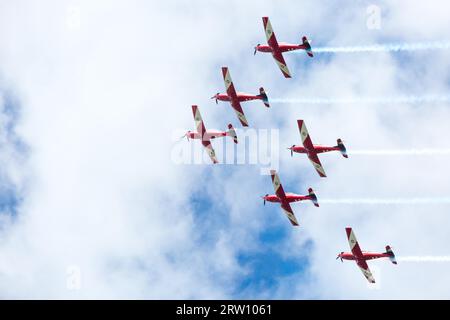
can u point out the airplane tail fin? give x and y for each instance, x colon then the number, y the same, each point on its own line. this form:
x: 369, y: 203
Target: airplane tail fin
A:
x: 342, y: 148
x: 307, y: 45
x: 232, y: 133
x: 391, y: 254
x: 313, y: 197
x: 263, y: 96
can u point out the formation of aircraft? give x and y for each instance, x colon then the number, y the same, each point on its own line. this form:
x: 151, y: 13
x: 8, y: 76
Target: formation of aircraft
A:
x: 307, y: 147
x: 284, y: 199
x: 360, y: 257
x: 235, y: 98
x: 206, y: 135
x: 312, y: 150
x: 277, y: 49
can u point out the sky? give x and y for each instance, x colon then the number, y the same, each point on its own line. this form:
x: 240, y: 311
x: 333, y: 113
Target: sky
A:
x: 96, y: 201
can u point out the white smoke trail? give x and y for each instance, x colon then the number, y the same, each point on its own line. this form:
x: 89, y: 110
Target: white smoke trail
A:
x: 386, y: 201
x: 367, y: 100
x: 401, y: 152
x: 424, y: 259
x: 392, y: 47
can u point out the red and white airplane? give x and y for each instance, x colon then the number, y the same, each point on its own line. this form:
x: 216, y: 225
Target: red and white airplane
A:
x: 360, y: 257
x: 285, y: 198
x: 207, y: 135
x: 235, y: 98
x: 277, y: 49
x: 312, y: 150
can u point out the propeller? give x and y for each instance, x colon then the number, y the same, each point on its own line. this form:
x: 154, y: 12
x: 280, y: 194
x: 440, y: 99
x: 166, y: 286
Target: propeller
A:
x: 340, y: 256
x: 215, y: 97
x: 256, y: 48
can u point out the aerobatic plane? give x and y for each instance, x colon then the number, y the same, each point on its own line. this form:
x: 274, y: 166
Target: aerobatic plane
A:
x: 285, y: 198
x: 277, y: 49
x: 312, y: 150
x: 207, y: 135
x: 360, y: 257
x: 235, y: 98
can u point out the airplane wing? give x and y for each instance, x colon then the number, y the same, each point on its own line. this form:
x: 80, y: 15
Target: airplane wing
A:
x: 276, y: 52
x: 200, y: 126
x: 279, y: 191
x: 231, y: 92
x: 312, y: 154
x: 356, y: 251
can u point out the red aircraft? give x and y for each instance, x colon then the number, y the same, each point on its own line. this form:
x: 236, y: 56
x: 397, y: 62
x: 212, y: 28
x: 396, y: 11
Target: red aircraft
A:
x: 362, y: 256
x: 278, y: 49
x: 285, y: 198
x: 206, y: 136
x: 312, y: 150
x: 235, y: 98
